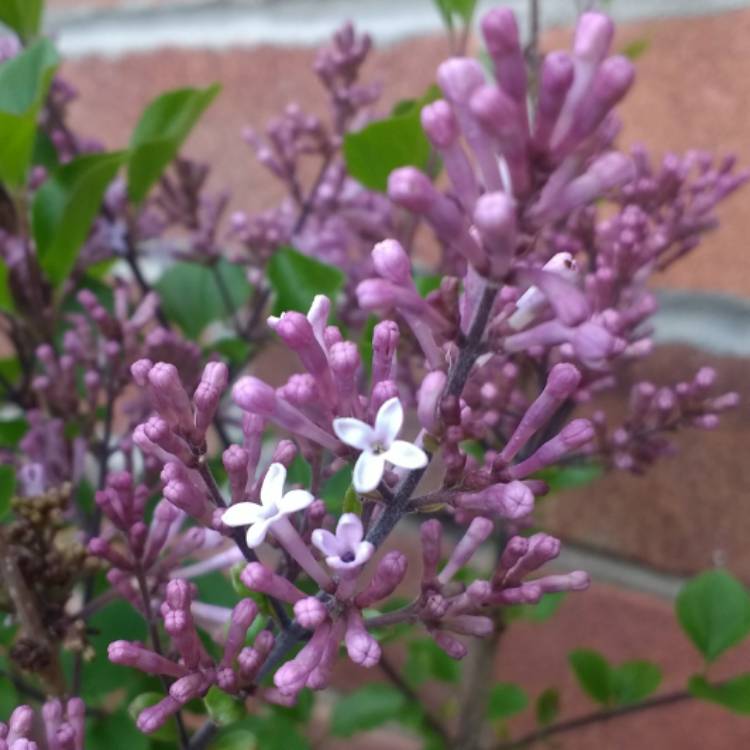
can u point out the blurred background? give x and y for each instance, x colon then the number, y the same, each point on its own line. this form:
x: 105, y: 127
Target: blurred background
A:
x: 638, y: 536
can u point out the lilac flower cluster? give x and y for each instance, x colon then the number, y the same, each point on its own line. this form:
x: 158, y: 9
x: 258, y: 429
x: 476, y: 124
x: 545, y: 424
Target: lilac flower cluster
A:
x: 63, y: 727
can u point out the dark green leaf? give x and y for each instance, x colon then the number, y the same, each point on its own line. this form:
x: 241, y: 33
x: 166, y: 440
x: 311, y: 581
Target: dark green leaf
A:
x: 216, y: 588
x: 372, y: 153
x: 24, y: 81
x: 506, y: 700
x: 593, y: 673
x: 161, y: 131
x: 235, y: 351
x: 236, y: 739
x: 633, y: 681
x: 65, y: 208
x: 733, y: 694
x: 427, y: 661
x: 297, y: 278
x: 165, y: 733
x: 714, y: 611
x: 116, y: 730
x: 335, y: 488
x: 547, y: 706
x: 366, y: 708
x: 222, y: 708
x: 7, y: 488
x: 190, y: 295
x: 23, y: 16
x: 426, y: 282
x: 277, y: 733
x: 6, y: 298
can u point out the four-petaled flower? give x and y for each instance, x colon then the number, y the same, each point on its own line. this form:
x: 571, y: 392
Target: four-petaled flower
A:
x: 378, y: 445
x: 274, y: 506
x: 345, y: 549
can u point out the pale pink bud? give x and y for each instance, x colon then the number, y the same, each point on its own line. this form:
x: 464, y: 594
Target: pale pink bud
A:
x: 388, y: 575
x: 500, y: 32
x: 479, y: 529
x: 428, y: 400
x: 136, y: 656
x: 310, y: 612
x: 208, y: 394
x: 439, y: 123
x: 390, y: 259
x: 257, y: 577
x: 430, y: 533
x: 362, y: 648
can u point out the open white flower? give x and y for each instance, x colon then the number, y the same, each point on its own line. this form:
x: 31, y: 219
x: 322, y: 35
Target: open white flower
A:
x: 378, y: 445
x: 274, y: 506
x: 345, y: 549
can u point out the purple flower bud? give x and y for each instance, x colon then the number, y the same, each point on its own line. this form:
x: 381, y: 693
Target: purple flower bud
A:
x: 557, y: 77
x: 362, y: 648
x: 20, y: 723
x: 235, y: 460
x: 345, y: 364
x: 243, y: 614
x: 140, y: 370
x: 512, y: 501
x: 100, y: 547
x: 390, y: 259
x: 169, y: 396
x: 388, y: 575
x: 208, y: 394
x: 136, y: 656
x: 297, y: 333
x: 495, y: 218
x: 439, y: 123
x: 500, y: 32
x: 561, y: 384
x: 428, y: 400
x: 574, y: 435
x: 475, y: 625
x: 542, y: 548
x: 593, y: 37
x: 478, y: 531
x: 515, y: 549
x: 385, y: 338
x: 151, y: 718
x: 594, y: 344
x: 452, y: 646
x: 578, y: 580
x: 257, y: 577
x: 411, y: 189
x: 430, y: 533
x: 292, y: 676
x: 310, y: 612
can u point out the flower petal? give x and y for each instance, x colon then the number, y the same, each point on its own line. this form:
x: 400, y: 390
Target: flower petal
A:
x: 318, y: 317
x: 363, y: 552
x: 349, y: 530
x: 272, y: 488
x: 241, y: 514
x: 327, y: 543
x: 406, y: 455
x: 368, y: 471
x: 354, y: 432
x: 256, y: 534
x: 294, y: 500
x: 389, y: 421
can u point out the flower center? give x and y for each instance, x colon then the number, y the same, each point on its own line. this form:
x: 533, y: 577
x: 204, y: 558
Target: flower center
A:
x: 347, y: 557
x: 378, y: 448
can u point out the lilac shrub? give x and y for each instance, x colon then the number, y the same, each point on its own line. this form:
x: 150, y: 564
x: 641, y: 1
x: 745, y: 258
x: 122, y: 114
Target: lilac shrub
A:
x: 226, y: 539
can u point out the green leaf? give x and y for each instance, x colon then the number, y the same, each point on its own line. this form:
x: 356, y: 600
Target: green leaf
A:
x: 237, y: 739
x: 24, y: 82
x: 275, y: 732
x: 427, y: 661
x: 633, y: 681
x: 334, y: 489
x: 426, y: 283
x: 297, y: 278
x: 65, y: 208
x: 7, y: 488
x: 593, y: 673
x: 636, y: 48
x: 23, y: 16
x: 452, y: 10
x: 571, y: 476
x: 372, y: 153
x: 222, y: 708
x: 190, y: 294
x: 11, y: 432
x: 547, y: 706
x: 366, y: 708
x: 6, y: 298
x: 118, y: 730
x: 234, y: 350
x: 733, y: 694
x: 506, y: 700
x: 165, y: 733
x: 714, y: 611
x: 159, y: 134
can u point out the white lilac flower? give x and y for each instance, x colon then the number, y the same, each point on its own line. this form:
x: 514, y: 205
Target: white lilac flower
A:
x: 345, y: 549
x: 378, y: 444
x: 274, y: 506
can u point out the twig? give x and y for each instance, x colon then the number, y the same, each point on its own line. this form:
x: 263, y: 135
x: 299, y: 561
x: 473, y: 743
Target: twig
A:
x: 429, y: 719
x: 203, y: 736
x: 594, y: 718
